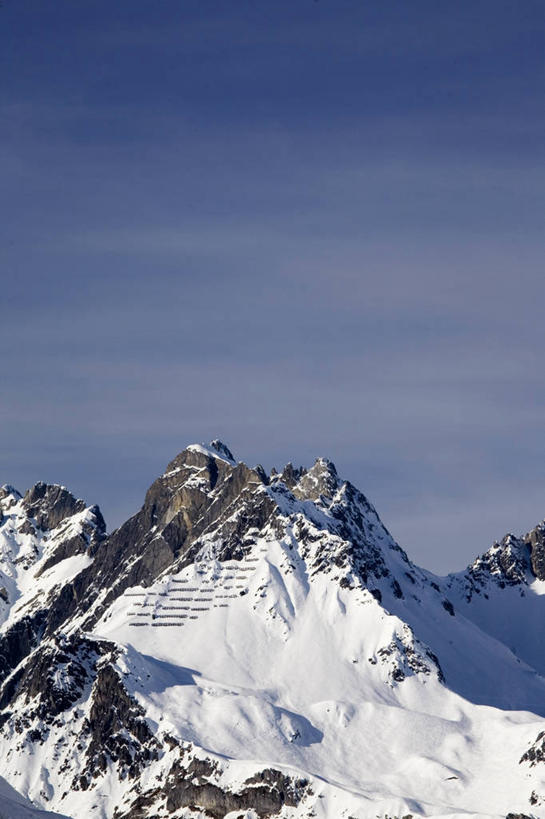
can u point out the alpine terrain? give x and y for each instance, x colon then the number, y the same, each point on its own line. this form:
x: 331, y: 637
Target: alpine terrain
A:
x: 250, y: 646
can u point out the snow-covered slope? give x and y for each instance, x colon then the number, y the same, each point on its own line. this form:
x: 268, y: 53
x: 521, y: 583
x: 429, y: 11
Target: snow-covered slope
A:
x: 258, y: 645
x: 15, y: 806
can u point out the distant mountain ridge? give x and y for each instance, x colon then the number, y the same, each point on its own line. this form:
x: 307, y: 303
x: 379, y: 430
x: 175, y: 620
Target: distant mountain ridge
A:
x: 258, y: 645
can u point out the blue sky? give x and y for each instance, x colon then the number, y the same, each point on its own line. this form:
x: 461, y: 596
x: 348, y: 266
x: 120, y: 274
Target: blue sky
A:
x: 308, y: 228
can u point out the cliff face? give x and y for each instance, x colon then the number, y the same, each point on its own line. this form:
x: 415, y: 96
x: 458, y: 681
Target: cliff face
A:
x: 259, y: 645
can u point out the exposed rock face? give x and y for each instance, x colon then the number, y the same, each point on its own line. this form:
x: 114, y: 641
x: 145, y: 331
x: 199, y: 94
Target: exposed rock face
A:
x: 321, y: 480
x: 190, y: 784
x: 41, y: 530
x: 54, y: 677
x: 404, y: 656
x: 88, y: 537
x: 514, y: 561
x: 348, y: 539
x: 536, y: 543
x: 289, y: 476
x: 46, y: 690
x: 116, y: 727
x: 49, y: 505
x: 265, y: 793
x: 8, y: 495
x: 17, y: 642
x: 536, y: 752
x: 507, y: 562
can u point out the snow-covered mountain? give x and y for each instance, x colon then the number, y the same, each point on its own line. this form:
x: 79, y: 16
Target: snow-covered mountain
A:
x: 253, y: 645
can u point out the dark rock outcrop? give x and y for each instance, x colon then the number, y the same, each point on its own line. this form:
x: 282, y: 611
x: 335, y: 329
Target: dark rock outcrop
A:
x: 536, y: 752
x: 90, y: 535
x: 50, y: 504
x: 190, y: 784
x: 511, y: 562
x: 64, y: 672
x: 54, y: 675
x: 8, y: 496
x: 536, y: 542
x: 19, y: 641
x: 116, y: 728
x: 320, y: 480
x: 507, y: 563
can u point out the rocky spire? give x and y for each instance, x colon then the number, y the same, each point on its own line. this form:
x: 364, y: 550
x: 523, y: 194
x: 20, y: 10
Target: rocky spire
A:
x: 536, y: 541
x: 50, y: 504
x: 320, y: 480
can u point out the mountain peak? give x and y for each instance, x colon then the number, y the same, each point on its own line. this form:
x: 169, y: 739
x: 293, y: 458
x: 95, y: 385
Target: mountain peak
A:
x: 513, y: 560
x: 320, y: 480
x: 215, y: 449
x: 290, y: 475
x: 9, y: 494
x: 506, y: 562
x: 536, y: 541
x: 50, y: 504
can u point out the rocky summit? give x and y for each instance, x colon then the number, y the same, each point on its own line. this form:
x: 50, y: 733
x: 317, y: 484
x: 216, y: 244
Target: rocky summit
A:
x: 253, y: 645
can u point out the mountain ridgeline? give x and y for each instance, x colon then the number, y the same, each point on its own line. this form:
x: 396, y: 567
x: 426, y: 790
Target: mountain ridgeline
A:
x: 258, y: 645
